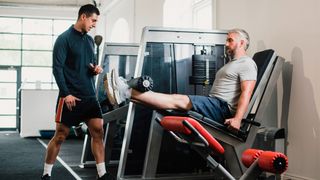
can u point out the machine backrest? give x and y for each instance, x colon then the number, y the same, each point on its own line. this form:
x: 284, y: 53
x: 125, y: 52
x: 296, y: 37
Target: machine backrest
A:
x: 264, y: 61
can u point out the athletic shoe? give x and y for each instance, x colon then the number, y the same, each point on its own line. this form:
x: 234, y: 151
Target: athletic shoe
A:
x: 106, y: 176
x: 108, y: 88
x: 45, y: 177
x: 121, y: 90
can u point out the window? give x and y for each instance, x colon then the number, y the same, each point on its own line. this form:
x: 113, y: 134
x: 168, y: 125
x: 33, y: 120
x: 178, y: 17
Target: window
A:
x: 10, y: 41
x: 10, y: 25
x: 37, y: 58
x: 8, y: 95
x: 59, y: 26
x: 37, y: 26
x: 25, y: 46
x: 38, y: 37
x: 10, y: 57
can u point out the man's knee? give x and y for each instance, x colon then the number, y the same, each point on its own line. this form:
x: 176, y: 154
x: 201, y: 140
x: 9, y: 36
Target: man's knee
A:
x: 59, y: 139
x: 96, y: 130
x: 181, y: 102
x: 61, y: 134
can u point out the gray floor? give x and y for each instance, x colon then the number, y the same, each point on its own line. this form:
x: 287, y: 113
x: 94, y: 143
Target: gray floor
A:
x: 22, y: 158
x: 70, y: 153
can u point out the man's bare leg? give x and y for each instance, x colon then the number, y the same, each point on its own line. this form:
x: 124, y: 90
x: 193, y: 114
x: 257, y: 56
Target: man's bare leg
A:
x: 118, y: 88
x: 96, y: 131
x: 54, y: 145
x: 161, y: 100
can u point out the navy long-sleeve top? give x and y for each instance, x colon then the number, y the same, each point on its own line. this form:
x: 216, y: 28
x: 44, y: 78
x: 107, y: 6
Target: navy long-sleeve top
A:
x: 72, y: 54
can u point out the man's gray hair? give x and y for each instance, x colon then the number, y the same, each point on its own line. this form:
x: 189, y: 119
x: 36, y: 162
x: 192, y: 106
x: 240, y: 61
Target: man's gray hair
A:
x: 243, y: 35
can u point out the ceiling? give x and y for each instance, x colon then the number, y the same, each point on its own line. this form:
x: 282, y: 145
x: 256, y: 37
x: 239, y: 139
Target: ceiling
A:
x: 65, y: 3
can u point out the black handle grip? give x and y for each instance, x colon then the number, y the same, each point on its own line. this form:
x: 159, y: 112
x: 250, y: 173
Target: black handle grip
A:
x: 248, y: 121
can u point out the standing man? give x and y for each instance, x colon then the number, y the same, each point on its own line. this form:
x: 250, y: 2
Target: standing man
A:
x: 74, y: 68
x: 229, y: 96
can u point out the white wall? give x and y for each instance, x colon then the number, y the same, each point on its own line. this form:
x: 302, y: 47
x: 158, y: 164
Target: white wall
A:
x: 123, y: 9
x: 292, y: 28
x: 137, y: 13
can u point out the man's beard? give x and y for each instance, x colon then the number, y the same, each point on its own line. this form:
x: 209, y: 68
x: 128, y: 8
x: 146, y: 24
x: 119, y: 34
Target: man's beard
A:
x: 230, y: 53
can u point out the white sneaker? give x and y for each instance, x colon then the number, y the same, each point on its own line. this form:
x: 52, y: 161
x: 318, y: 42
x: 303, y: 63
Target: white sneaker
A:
x: 120, y: 87
x: 108, y: 88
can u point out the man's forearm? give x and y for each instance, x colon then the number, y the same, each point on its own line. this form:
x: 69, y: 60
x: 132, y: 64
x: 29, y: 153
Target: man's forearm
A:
x: 242, y: 106
x: 60, y: 80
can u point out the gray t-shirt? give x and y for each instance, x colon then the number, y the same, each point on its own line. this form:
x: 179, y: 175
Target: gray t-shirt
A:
x: 227, y: 82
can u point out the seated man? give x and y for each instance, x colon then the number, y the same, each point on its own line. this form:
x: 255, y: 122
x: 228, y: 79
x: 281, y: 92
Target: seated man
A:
x: 228, y: 98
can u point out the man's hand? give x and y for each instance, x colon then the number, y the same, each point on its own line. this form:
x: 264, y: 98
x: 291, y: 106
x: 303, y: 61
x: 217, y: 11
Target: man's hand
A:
x: 96, y: 69
x: 71, y: 101
x: 233, y: 124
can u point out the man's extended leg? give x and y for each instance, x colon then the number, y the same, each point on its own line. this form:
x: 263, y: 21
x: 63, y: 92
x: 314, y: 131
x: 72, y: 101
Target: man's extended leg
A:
x: 118, y: 90
x: 95, y: 126
x: 53, y: 149
x: 161, y: 100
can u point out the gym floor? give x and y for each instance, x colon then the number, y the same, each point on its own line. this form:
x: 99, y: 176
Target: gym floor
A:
x: 23, y: 158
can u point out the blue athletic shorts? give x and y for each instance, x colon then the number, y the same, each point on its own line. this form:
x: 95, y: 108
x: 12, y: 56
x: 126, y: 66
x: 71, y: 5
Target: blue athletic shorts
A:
x: 84, y: 110
x: 211, y: 107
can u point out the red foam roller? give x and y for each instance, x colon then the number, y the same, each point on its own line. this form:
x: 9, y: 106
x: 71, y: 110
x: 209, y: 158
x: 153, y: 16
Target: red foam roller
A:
x: 174, y: 123
x: 249, y: 156
x: 273, y: 162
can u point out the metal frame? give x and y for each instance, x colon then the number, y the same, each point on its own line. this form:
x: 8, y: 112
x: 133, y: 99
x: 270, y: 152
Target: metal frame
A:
x: 110, y: 118
x: 233, y: 146
x: 161, y: 35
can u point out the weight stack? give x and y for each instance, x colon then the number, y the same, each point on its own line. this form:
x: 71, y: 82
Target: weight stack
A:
x: 203, y: 69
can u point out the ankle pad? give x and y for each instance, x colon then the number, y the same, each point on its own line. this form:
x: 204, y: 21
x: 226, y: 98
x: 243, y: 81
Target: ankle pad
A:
x: 142, y: 84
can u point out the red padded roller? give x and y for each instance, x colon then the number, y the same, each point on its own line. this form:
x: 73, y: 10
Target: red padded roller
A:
x: 273, y: 162
x: 249, y: 156
x: 174, y: 123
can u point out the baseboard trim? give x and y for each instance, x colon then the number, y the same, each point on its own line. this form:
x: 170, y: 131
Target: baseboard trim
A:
x: 290, y: 176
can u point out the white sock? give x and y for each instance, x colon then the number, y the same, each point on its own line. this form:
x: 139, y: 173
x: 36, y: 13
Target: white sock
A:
x: 47, y: 169
x: 101, y: 168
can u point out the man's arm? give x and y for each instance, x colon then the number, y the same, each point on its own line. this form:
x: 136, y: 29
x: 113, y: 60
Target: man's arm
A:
x: 59, y: 58
x: 60, y: 52
x: 246, y: 92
